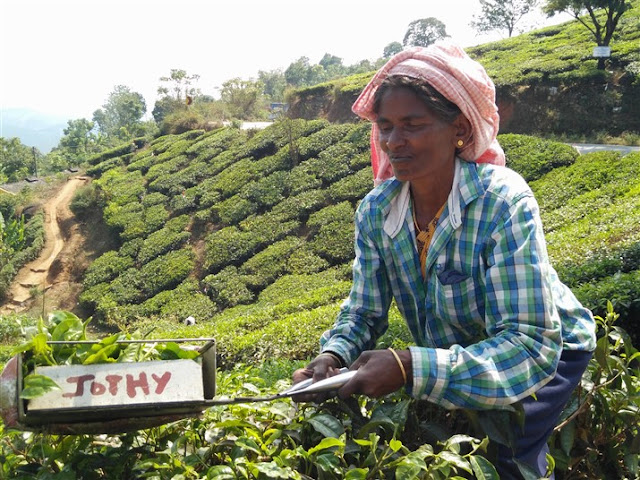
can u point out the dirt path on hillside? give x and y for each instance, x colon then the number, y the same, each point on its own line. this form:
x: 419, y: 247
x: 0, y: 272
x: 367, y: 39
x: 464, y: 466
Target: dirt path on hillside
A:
x: 38, y: 274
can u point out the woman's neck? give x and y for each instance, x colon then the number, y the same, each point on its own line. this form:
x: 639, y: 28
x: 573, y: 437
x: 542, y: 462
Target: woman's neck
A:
x: 429, y: 194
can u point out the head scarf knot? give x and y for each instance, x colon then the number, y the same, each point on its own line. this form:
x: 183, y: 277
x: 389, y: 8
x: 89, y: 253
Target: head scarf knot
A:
x: 461, y: 80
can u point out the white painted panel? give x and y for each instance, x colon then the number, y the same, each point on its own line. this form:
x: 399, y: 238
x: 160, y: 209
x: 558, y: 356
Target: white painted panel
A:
x: 113, y: 384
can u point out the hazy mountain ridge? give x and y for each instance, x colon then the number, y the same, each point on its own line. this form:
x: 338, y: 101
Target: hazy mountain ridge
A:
x: 33, y: 128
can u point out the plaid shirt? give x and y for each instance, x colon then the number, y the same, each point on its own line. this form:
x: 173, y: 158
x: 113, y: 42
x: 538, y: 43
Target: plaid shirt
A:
x: 491, y: 318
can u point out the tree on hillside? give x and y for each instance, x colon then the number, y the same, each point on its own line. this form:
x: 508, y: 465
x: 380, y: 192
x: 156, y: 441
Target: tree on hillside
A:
x: 178, y: 85
x: 120, y: 118
x: 274, y: 84
x: 424, y: 32
x: 391, y: 49
x: 602, y: 21
x: 301, y: 73
x: 502, y: 15
x: 243, y: 98
x: 16, y: 159
x: 79, y: 141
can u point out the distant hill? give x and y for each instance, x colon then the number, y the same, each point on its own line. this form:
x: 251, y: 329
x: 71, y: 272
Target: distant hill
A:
x: 33, y: 128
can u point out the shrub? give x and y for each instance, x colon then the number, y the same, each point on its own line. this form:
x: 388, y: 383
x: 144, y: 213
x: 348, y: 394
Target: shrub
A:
x: 267, y: 265
x: 233, y: 179
x: 341, y: 213
x: 105, y: 268
x: 86, y: 201
x: 215, y: 142
x: 304, y: 261
x: 127, y: 287
x: 161, y: 242
x: 294, y: 336
x: 104, y: 166
x: 131, y: 248
x: 232, y: 210
x: 334, y: 242
x: 315, y: 143
x: 154, y: 198
x: 142, y: 161
x: 161, y: 169
x: 267, y: 191
x: 299, y: 206
x: 353, y: 187
x: 122, y: 187
x: 332, y: 163
x: 269, y: 228
x: 167, y: 271
x: 301, y: 179
x: 229, y: 246
x: 623, y: 291
x: 360, y: 134
x: 589, y: 172
x: 111, y: 153
x: 228, y: 288
x: 294, y: 286
x: 532, y: 157
x: 184, y: 202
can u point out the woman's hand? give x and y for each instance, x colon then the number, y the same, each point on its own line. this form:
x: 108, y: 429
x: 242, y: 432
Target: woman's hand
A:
x: 321, y: 367
x: 378, y: 373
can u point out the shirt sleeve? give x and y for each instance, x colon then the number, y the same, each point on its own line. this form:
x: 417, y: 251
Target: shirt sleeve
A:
x: 523, y: 328
x: 363, y: 316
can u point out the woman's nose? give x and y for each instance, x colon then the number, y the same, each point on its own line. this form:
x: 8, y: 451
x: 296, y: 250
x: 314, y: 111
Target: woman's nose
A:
x: 395, y: 138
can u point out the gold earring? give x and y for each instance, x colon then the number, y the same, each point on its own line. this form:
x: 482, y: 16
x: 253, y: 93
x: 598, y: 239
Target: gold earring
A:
x: 460, y: 143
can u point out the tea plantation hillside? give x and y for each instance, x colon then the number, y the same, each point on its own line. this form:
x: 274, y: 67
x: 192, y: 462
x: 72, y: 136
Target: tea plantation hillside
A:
x: 547, y: 81
x: 251, y: 232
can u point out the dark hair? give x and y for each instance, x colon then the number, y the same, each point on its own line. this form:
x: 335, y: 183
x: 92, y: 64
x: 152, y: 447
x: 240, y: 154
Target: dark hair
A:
x: 434, y: 100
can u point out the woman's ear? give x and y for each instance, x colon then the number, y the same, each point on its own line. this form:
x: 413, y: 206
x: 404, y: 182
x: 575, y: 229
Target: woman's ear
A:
x: 462, y: 130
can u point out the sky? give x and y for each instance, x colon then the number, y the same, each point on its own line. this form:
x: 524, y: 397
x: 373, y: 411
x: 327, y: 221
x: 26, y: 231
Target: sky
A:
x: 64, y: 57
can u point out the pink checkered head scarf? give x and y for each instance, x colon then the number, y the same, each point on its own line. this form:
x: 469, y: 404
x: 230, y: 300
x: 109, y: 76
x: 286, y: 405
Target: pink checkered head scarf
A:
x: 463, y: 81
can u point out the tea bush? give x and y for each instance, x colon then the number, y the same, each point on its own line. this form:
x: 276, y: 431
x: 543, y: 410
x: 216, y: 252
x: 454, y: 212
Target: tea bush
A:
x: 228, y: 288
x: 299, y: 206
x: 111, y: 153
x: 315, y: 143
x: 232, y: 210
x: 268, y: 191
x: 266, y: 266
x: 353, y: 187
x: 106, y: 267
x: 229, y: 246
x: 160, y: 242
x: 167, y: 271
x: 533, y: 157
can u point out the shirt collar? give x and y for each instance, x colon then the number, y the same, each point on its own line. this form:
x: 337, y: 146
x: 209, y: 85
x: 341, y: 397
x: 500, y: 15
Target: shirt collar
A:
x: 466, y: 186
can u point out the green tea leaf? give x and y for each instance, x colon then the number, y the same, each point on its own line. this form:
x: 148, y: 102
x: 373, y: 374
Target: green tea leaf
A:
x: 326, y: 442
x: 395, y: 445
x: 37, y: 385
x: 456, y: 460
x: 327, y: 425
x: 482, y: 468
x: 357, y: 474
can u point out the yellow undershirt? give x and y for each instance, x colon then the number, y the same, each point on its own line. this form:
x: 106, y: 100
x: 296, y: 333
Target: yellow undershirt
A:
x: 423, y: 237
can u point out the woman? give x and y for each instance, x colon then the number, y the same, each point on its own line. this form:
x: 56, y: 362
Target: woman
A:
x: 456, y: 239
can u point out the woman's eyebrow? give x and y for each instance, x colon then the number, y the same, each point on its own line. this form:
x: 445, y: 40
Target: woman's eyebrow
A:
x: 410, y: 116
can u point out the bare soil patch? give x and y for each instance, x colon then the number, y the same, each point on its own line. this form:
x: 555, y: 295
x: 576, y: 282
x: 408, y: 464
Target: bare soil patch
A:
x: 53, y: 280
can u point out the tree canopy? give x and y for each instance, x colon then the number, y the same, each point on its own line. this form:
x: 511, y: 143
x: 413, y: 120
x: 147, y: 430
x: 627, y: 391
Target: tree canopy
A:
x: 502, y: 15
x: 601, y: 27
x: 424, y: 32
x: 120, y: 117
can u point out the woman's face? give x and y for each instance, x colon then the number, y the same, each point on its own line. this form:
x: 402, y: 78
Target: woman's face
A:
x: 418, y: 143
